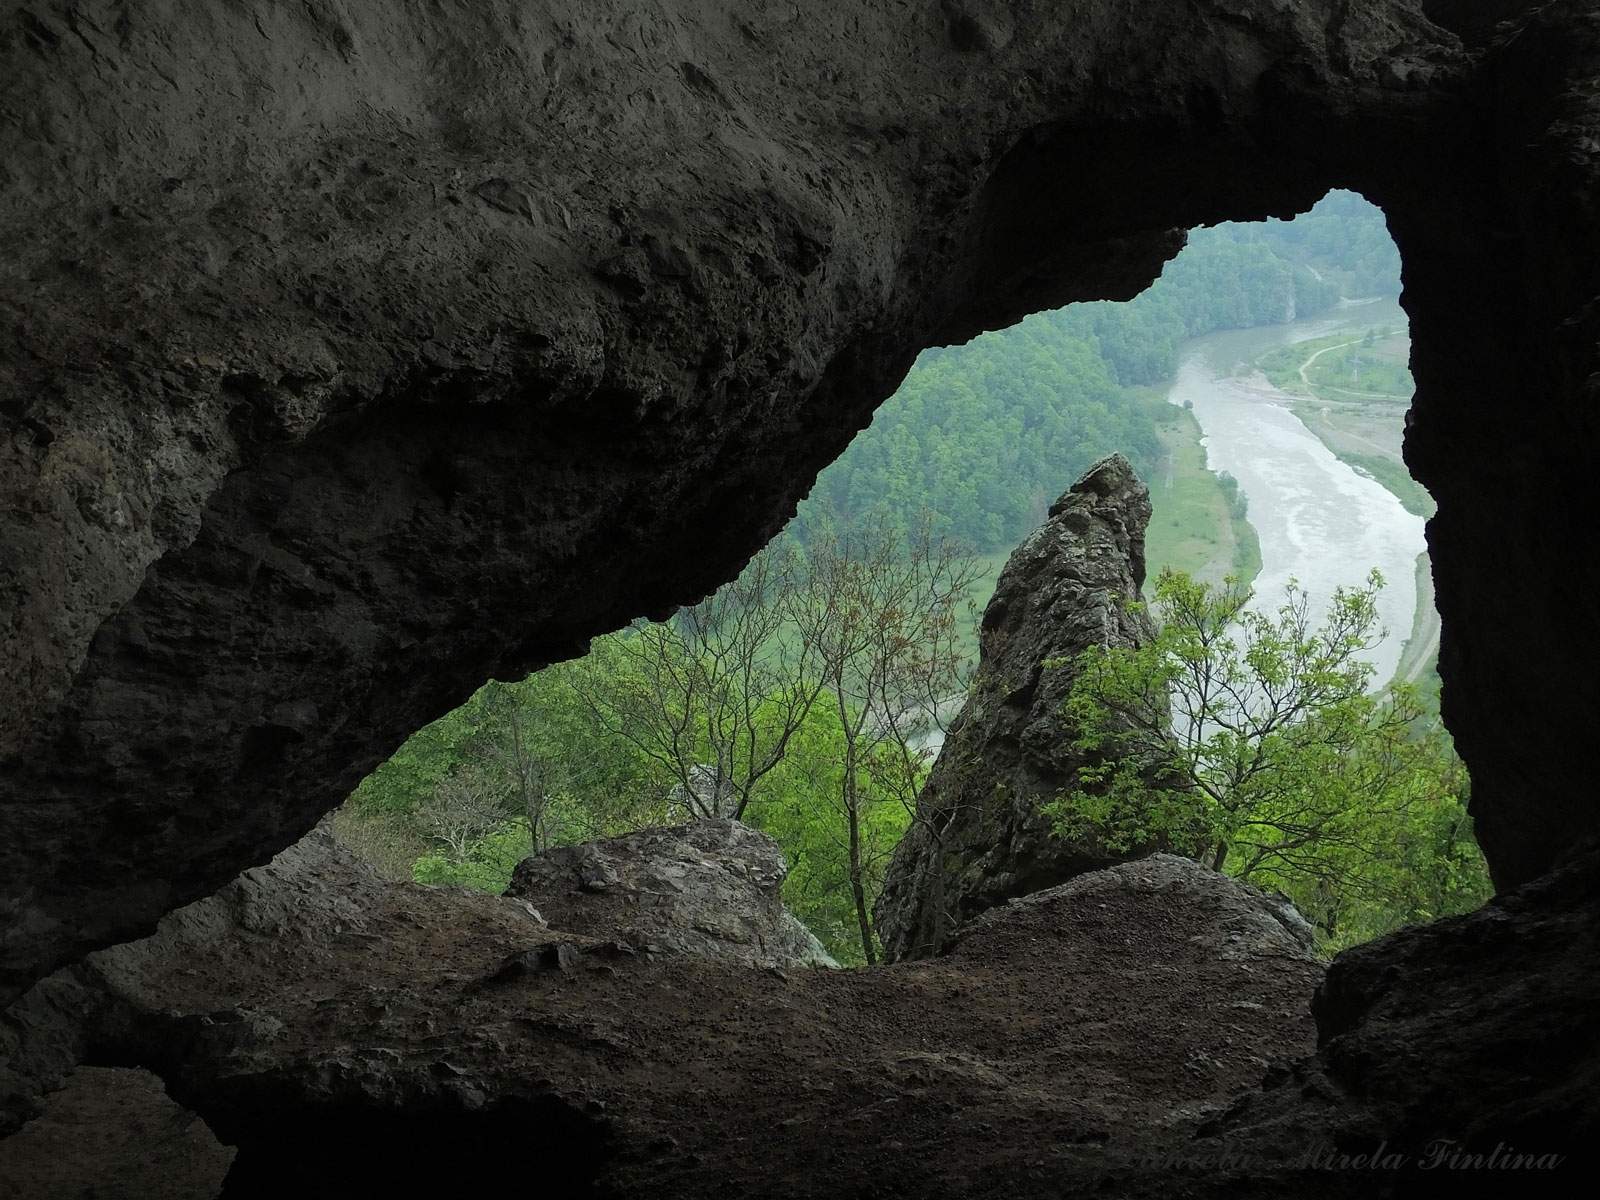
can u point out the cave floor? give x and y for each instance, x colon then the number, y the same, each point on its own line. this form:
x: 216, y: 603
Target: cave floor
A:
x: 340, y: 1029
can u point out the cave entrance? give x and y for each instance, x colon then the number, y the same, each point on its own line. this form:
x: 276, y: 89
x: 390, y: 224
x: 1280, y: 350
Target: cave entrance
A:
x: 1259, y: 388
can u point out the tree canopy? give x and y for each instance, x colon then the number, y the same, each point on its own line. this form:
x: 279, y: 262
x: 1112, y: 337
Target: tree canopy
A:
x: 1272, y: 759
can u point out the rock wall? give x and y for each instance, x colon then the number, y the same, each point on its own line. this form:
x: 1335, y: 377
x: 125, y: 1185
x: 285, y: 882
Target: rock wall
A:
x: 978, y: 837
x: 112, y: 1134
x: 354, y: 352
x: 1501, y: 286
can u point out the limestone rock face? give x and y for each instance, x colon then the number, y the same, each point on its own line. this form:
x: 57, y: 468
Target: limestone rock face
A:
x: 979, y: 837
x: 354, y: 352
x: 710, y: 889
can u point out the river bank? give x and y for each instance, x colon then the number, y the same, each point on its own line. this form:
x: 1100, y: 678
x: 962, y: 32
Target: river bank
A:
x: 1195, y: 526
x: 1320, y: 519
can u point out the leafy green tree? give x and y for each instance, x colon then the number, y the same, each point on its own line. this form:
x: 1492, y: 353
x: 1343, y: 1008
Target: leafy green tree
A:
x: 801, y: 807
x: 1271, y: 759
x: 518, y: 767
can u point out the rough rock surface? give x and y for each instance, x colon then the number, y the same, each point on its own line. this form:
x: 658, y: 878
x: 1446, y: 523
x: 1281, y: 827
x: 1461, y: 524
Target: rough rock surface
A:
x: 355, y: 351
x: 1108, y: 1036
x: 1470, y: 1033
x: 350, y: 1035
x: 113, y: 1134
x: 979, y: 837
x: 1247, y: 922
x: 711, y: 889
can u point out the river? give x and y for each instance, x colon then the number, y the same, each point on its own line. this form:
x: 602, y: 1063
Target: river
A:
x: 1320, y: 521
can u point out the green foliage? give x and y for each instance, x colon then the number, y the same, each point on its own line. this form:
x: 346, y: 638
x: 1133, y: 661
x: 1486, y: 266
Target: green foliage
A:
x: 1343, y: 368
x: 1362, y: 369
x: 1238, y: 502
x: 986, y: 435
x: 413, y: 771
x: 800, y: 809
x: 1198, y: 524
x: 1249, y: 739
x: 1345, y: 239
x: 591, y: 783
x: 487, y: 866
x: 1229, y: 277
x: 791, y: 699
x: 796, y: 804
x: 982, y: 437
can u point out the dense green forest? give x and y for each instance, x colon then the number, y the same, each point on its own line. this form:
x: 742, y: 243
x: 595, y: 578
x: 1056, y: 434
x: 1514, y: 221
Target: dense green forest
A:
x: 956, y: 469
x: 987, y: 434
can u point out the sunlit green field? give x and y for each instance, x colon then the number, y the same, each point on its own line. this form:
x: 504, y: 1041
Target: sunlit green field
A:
x: 1192, y: 528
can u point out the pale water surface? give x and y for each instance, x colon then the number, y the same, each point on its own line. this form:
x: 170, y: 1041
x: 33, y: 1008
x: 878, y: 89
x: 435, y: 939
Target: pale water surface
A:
x: 1320, y: 521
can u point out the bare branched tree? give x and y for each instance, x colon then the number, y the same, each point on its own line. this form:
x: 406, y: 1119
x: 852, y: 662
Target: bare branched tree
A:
x: 869, y: 623
x: 714, y: 695
x: 882, y: 616
x: 461, y: 810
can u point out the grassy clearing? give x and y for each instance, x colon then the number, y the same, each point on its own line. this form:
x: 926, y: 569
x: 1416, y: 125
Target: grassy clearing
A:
x: 1395, y: 477
x: 1282, y: 366
x: 1369, y: 367
x: 1354, y: 437
x: 389, y: 842
x: 1194, y: 527
x: 1372, y: 364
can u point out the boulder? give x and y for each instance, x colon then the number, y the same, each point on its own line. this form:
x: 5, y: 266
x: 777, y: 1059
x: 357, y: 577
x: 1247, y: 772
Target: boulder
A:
x: 1243, y: 923
x: 113, y: 1134
x: 979, y: 837
x: 711, y: 889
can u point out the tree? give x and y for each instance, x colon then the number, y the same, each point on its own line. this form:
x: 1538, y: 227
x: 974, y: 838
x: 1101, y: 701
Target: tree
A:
x: 800, y: 696
x: 713, y: 695
x: 881, y: 616
x: 462, y: 809
x: 1250, y: 739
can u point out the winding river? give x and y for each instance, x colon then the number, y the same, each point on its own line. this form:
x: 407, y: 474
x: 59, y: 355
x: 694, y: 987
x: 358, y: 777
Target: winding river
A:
x: 1320, y: 521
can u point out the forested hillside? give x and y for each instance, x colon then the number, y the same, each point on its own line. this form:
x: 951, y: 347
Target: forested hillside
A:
x: 986, y: 435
